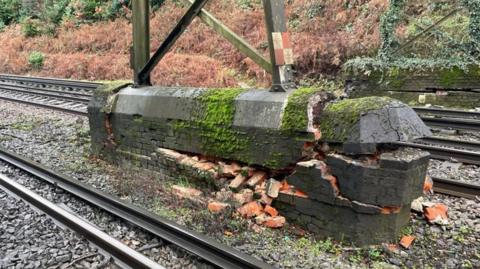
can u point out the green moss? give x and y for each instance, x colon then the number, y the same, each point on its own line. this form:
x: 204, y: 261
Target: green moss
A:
x: 368, y: 67
x: 138, y: 119
x: 215, y: 122
x: 396, y: 77
x: 295, y: 115
x: 339, y: 119
x: 448, y: 77
x: 112, y: 86
x: 275, y: 160
x: 213, y: 119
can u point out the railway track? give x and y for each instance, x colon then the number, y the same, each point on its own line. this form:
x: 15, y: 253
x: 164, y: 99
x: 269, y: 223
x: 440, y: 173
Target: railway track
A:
x: 119, y: 251
x: 49, y: 82
x: 73, y: 97
x: 197, y: 244
x: 456, y: 188
x: 439, y: 151
x: 63, y: 95
x: 450, y: 118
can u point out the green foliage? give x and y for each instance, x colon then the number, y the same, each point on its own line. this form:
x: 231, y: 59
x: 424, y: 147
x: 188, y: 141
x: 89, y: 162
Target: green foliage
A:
x: 369, y: 66
x: 453, y: 46
x: 36, y: 59
x: 57, y: 11
x: 31, y: 27
x: 388, y: 23
x: 10, y: 11
x: 315, y: 9
x: 247, y: 4
x: 473, y: 6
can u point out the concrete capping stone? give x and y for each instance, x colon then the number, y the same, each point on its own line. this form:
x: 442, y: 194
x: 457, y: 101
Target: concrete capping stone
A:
x: 167, y: 117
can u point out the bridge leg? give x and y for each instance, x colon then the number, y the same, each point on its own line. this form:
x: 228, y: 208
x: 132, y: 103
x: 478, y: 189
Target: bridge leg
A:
x: 141, y: 39
x: 280, y: 47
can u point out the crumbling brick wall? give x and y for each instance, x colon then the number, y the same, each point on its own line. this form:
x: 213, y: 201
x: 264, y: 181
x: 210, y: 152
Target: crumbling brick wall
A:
x: 338, y: 175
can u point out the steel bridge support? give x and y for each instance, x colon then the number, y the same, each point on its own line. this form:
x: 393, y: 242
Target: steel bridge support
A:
x: 141, y: 40
x: 280, y: 48
x: 281, y: 53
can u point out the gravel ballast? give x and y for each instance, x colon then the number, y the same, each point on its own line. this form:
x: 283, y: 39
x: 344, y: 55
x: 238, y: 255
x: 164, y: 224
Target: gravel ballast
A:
x: 30, y: 239
x: 60, y: 141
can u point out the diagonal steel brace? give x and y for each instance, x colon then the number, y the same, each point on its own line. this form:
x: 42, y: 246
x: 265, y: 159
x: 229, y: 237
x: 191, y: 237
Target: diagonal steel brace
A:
x: 142, y: 78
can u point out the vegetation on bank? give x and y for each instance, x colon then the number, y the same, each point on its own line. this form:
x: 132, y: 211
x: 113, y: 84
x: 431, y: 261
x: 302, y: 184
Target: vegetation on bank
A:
x: 87, y: 39
x: 91, y: 39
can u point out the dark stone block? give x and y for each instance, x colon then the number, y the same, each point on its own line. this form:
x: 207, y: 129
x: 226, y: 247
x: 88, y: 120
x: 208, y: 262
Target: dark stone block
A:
x: 395, y: 181
x: 308, y: 177
x: 344, y: 223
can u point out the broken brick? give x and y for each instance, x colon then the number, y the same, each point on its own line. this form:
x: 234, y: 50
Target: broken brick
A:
x: 261, y: 187
x: 257, y: 178
x: 317, y: 134
x: 186, y: 193
x: 271, y: 211
x: 172, y: 154
x: 437, y: 214
x: 406, y: 241
x: 243, y: 197
x: 250, y: 209
x: 273, y: 187
x: 188, y: 161
x: 285, y: 186
x: 260, y: 219
x: 428, y: 185
x: 264, y: 198
x: 416, y: 205
x: 224, y: 195
x: 387, y: 210
x: 300, y: 193
x: 229, y: 170
x: 392, y: 248
x: 236, y: 183
x: 217, y: 207
x: 204, y: 166
x: 274, y: 222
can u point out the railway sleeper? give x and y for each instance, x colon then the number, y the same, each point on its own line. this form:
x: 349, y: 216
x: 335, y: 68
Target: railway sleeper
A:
x: 340, y: 176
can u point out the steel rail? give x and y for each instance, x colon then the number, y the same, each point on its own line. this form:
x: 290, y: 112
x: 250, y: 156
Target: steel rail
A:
x: 200, y: 245
x: 453, y: 143
x: 454, y: 113
x: 52, y: 95
x: 456, y: 188
x: 59, y: 108
x: 441, y: 153
x: 453, y: 123
x: 118, y: 250
x: 69, y: 91
x: 51, y: 81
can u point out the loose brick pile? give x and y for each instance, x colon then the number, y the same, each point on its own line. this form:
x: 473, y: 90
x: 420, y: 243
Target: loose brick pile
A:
x: 247, y: 189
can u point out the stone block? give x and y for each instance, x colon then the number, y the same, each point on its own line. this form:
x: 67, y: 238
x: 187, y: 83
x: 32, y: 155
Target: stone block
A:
x: 396, y: 180
x: 344, y: 223
x: 309, y: 178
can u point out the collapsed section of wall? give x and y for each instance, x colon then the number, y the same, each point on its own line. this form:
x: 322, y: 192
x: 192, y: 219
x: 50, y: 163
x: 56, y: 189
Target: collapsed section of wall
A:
x: 331, y: 152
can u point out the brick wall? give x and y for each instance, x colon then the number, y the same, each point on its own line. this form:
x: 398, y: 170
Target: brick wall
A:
x: 331, y: 191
